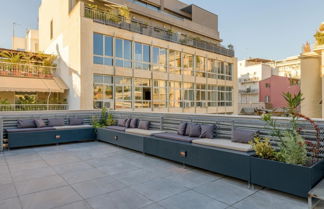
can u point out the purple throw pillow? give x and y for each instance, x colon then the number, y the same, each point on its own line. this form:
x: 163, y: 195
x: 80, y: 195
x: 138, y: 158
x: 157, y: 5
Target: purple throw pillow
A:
x: 187, y: 132
x: 144, y: 125
x: 133, y: 123
x: 40, y: 123
x: 182, y: 129
x: 242, y: 135
x: 207, y: 131
x: 121, y: 122
x: 56, y: 122
x: 75, y: 121
x: 28, y: 123
x: 195, y: 130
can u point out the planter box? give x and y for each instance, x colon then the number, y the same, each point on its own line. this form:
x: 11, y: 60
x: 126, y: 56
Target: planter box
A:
x: 293, y: 179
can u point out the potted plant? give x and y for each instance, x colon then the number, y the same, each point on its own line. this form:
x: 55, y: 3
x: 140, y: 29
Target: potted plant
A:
x: 287, y: 167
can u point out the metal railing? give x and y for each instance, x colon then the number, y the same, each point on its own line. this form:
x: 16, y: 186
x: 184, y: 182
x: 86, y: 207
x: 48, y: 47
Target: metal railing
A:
x: 249, y: 91
x: 142, y: 28
x: 26, y: 70
x: 32, y: 107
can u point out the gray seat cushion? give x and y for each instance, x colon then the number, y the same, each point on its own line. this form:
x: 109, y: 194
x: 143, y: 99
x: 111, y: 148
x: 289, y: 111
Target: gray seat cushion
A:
x: 16, y: 130
x: 75, y: 121
x: 173, y: 136
x: 116, y: 128
x: 56, y: 122
x: 71, y: 127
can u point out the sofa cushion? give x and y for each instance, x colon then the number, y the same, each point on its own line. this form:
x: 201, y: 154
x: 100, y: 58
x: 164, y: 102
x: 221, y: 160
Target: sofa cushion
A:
x: 207, y: 131
x: 28, y: 123
x: 40, y: 123
x: 144, y: 125
x: 121, y: 122
x: 56, y: 122
x: 242, y: 135
x: 182, y: 129
x: 116, y: 128
x: 15, y: 130
x: 75, y: 121
x: 194, y: 130
x: 71, y: 127
x: 224, y: 143
x: 133, y: 123
x: 173, y: 136
x: 127, y: 123
x: 142, y: 131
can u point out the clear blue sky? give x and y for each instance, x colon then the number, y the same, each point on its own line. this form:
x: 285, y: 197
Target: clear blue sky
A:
x: 272, y: 29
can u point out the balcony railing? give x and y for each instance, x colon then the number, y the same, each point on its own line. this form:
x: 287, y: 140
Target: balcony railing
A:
x: 32, y: 107
x: 249, y: 91
x: 26, y: 70
x: 142, y: 28
x: 247, y: 80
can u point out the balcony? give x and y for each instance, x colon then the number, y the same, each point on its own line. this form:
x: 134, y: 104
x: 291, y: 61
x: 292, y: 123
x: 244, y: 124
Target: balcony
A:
x: 160, y: 33
x: 32, y: 107
x: 249, y: 91
x: 26, y: 70
x: 249, y: 80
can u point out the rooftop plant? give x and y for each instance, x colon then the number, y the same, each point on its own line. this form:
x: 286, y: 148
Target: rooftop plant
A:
x: 292, y: 146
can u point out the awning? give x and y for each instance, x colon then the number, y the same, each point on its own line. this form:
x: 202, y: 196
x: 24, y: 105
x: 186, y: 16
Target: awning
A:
x: 32, y: 84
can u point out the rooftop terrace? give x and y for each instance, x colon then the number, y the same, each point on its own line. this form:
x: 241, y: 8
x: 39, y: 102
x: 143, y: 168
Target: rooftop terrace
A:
x: 100, y: 176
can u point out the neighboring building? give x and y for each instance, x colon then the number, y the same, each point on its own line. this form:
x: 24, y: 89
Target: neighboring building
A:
x: 250, y: 73
x: 30, y: 43
x: 164, y: 56
x: 28, y: 82
x: 312, y: 80
x: 289, y: 67
x: 273, y: 88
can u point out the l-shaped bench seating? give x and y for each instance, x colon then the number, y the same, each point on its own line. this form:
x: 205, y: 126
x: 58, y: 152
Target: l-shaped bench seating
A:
x: 217, y: 155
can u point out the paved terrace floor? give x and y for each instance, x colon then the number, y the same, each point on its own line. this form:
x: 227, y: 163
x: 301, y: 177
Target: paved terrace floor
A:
x: 101, y: 176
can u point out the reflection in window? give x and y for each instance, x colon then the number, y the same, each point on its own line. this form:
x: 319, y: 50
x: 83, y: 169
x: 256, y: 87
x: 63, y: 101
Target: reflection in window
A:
x: 174, y: 94
x: 174, y: 62
x: 212, y: 95
x: 187, y: 64
x: 142, y: 93
x: 103, y: 91
x: 159, y: 59
x: 159, y: 94
x: 123, y: 93
x: 200, y: 66
x: 142, y: 56
x: 102, y: 49
x: 123, y: 53
x: 201, y: 95
x: 188, y: 95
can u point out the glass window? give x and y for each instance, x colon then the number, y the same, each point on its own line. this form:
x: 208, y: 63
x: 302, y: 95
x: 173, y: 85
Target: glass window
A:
x: 103, y: 91
x: 123, y: 92
x: 187, y: 64
x: 159, y: 59
x: 138, y: 51
x: 146, y: 54
x: 174, y: 62
x: 174, y: 94
x: 200, y: 66
x: 188, y: 95
x: 108, y: 46
x: 159, y: 94
x: 97, y: 60
x: 97, y: 44
x: 142, y: 56
x: 127, y: 49
x: 119, y: 48
x: 142, y: 93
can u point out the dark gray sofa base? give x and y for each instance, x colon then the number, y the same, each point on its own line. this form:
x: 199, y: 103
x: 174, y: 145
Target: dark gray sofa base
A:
x: 120, y: 138
x: 293, y: 179
x: 47, y: 137
x: 231, y: 163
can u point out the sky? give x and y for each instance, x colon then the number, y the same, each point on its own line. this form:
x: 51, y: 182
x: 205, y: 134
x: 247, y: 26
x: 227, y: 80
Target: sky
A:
x: 270, y: 29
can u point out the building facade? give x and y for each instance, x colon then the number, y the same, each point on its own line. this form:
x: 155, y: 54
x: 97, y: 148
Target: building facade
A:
x: 250, y: 73
x: 289, y: 67
x: 29, y: 43
x: 273, y: 88
x: 152, y: 56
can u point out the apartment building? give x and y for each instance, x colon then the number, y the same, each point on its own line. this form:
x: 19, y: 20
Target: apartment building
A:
x: 155, y: 55
x: 250, y: 73
x: 289, y: 67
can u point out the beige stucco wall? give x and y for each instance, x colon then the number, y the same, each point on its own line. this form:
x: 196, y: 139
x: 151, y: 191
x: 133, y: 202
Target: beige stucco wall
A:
x: 311, y: 85
x: 65, y: 44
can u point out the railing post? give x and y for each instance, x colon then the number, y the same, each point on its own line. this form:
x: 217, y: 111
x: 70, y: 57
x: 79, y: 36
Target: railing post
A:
x: 1, y: 134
